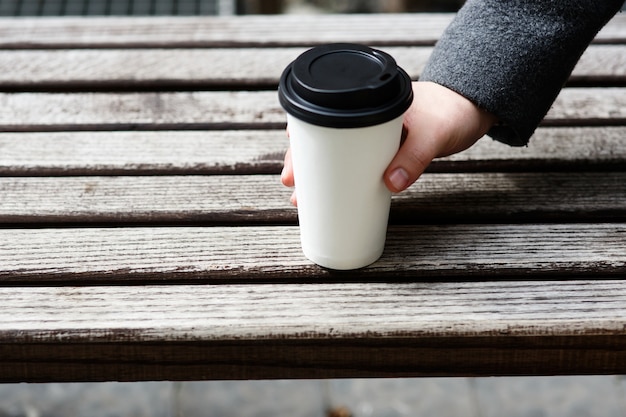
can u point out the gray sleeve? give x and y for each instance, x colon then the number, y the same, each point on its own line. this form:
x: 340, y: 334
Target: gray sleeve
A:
x: 512, y: 58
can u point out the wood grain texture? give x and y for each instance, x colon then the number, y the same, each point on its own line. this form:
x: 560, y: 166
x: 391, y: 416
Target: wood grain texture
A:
x: 496, y: 354
x: 512, y: 198
x: 131, y: 111
x: 142, y: 153
x: 128, y: 68
x: 232, y: 110
x: 155, y: 199
x: 312, y: 331
x: 600, y: 63
x: 155, y: 313
x: 144, y: 233
x: 229, y: 31
x: 388, y: 29
x: 440, y: 198
x: 219, y: 67
x: 605, y: 106
x: 261, y: 253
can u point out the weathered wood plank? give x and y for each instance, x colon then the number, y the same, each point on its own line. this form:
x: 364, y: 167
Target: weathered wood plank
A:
x: 549, y: 149
x: 270, y: 253
x: 596, y: 106
x: 220, y: 110
x: 218, y: 68
x: 211, y: 31
x: 387, y: 29
x: 513, y: 198
x: 261, y: 151
x: 130, y: 111
x: 142, y: 153
x: 600, y: 63
x: 156, y: 68
x: 162, y: 199
x: 312, y: 331
x: 331, y: 310
x: 441, y: 198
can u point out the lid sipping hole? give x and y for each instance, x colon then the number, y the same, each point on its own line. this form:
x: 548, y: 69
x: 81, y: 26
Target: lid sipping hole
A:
x: 385, y: 77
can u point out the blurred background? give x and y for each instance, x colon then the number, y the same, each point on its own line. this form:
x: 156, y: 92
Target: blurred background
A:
x: 216, y: 7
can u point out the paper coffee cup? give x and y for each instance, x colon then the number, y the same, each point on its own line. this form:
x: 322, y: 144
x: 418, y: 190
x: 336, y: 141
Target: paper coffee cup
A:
x: 345, y: 106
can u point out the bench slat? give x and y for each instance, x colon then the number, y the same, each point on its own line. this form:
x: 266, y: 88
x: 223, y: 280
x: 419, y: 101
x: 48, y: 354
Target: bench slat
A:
x: 325, y: 310
x: 149, y: 152
x: 219, y: 110
x: 210, y: 31
x: 390, y: 29
x: 169, y: 199
x: 262, y: 151
x: 189, y: 68
x: 311, y: 331
x: 267, y: 253
x: 442, y: 198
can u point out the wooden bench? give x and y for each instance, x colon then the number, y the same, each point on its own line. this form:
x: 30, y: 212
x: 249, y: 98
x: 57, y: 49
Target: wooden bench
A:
x: 145, y: 235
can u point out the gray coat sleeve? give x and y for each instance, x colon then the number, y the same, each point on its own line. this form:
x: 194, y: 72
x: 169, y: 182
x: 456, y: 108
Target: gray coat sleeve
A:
x: 512, y: 58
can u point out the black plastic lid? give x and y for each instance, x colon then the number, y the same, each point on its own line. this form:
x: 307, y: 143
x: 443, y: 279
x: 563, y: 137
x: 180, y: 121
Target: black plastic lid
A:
x: 345, y: 85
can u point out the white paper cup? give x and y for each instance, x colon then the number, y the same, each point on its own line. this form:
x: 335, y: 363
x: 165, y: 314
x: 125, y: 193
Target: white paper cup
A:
x: 344, y: 106
x: 343, y: 203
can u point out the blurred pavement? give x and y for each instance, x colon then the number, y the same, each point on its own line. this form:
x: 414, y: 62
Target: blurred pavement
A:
x: 580, y: 396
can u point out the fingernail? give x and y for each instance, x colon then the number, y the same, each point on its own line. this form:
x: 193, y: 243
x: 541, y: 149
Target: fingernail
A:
x: 399, y: 178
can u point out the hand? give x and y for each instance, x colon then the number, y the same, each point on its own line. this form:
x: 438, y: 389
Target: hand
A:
x: 440, y: 122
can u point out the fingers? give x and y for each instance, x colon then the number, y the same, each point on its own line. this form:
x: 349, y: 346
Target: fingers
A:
x: 286, y: 175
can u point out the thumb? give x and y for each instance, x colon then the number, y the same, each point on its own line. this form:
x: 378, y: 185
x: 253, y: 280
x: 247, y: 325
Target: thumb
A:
x: 412, y: 159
